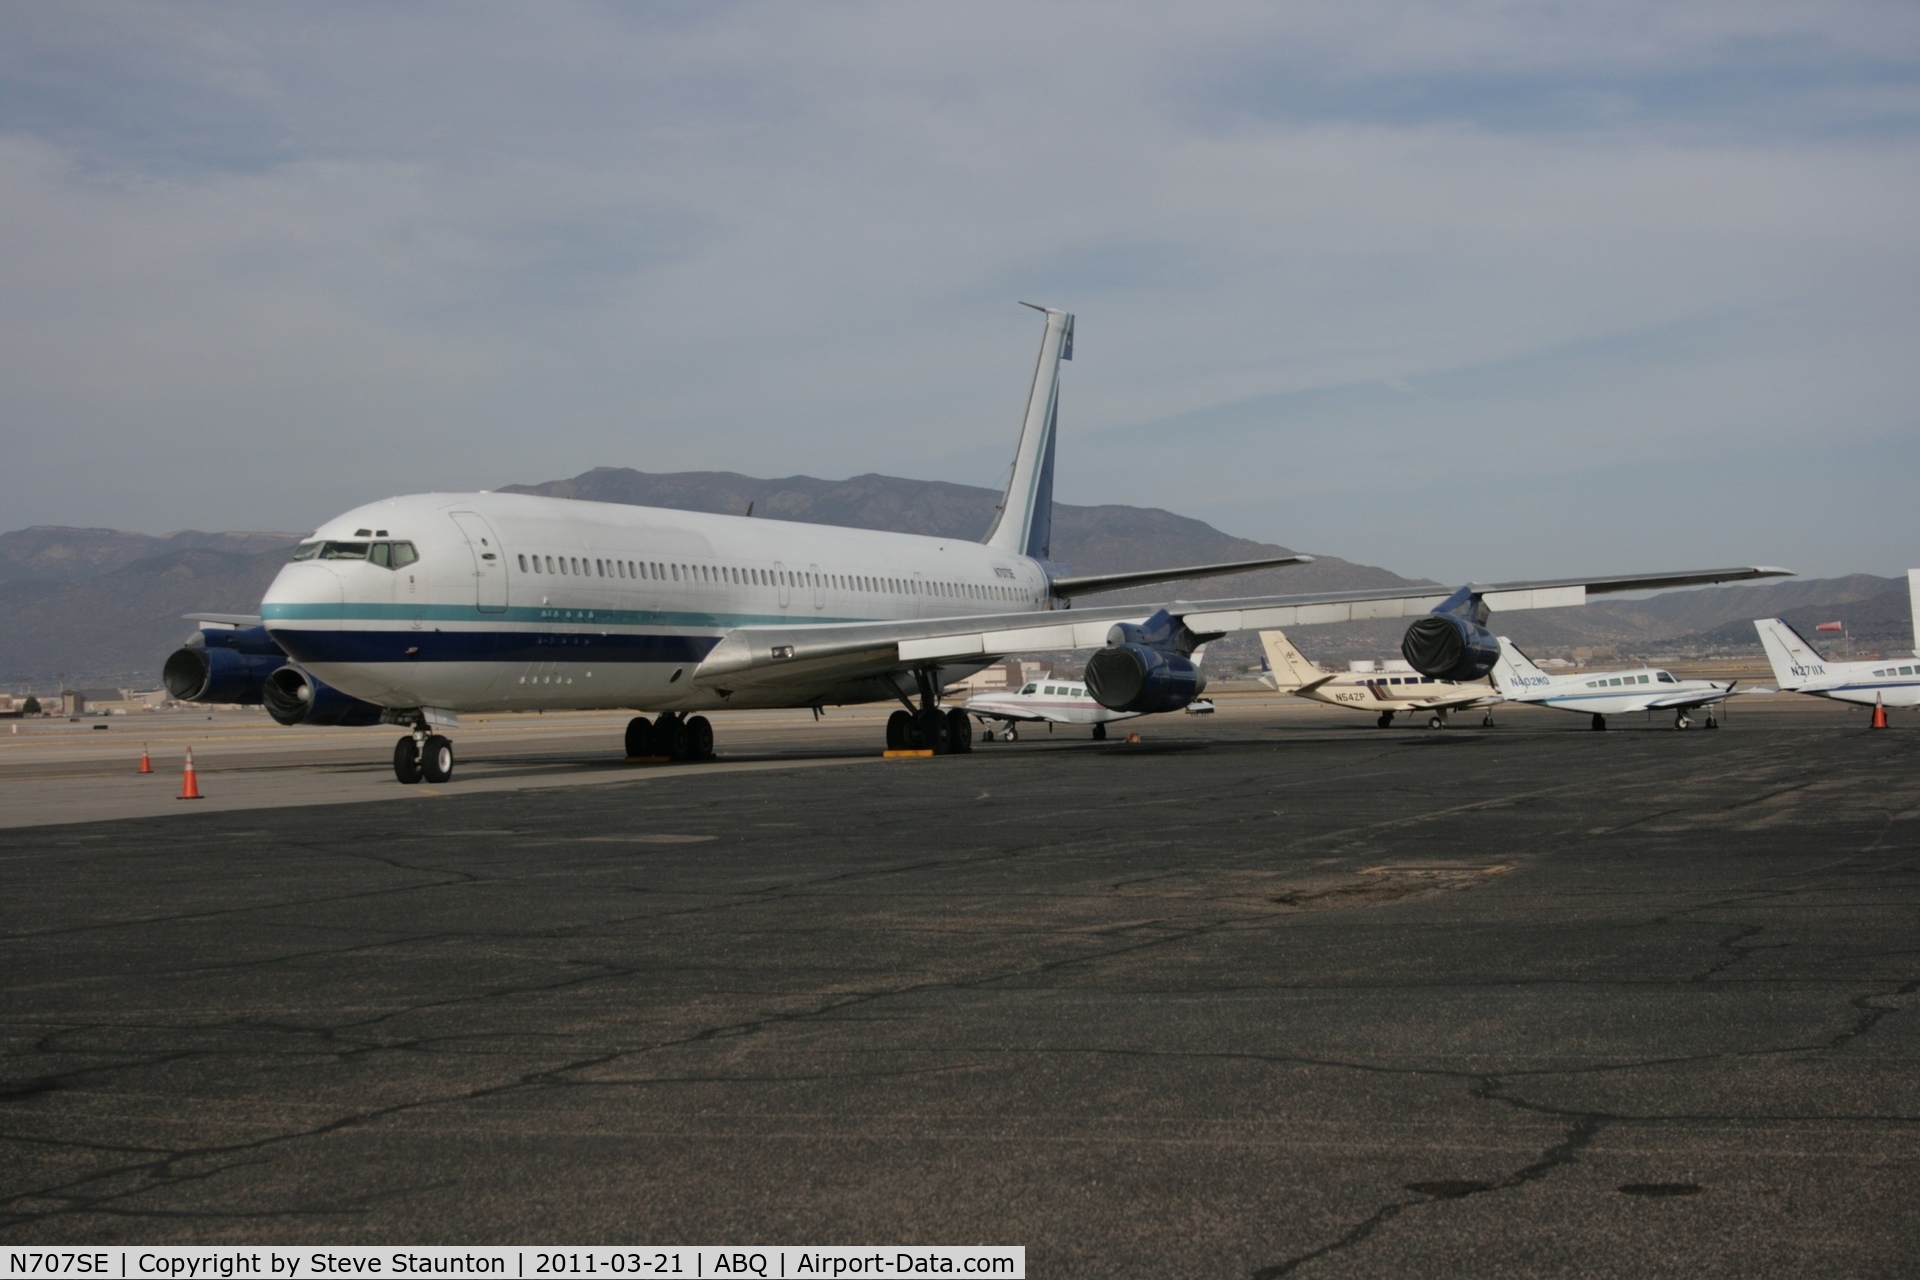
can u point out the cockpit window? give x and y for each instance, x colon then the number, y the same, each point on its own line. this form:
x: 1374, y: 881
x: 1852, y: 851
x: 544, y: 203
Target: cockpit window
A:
x: 1666, y: 678
x: 388, y: 555
x: 1032, y: 688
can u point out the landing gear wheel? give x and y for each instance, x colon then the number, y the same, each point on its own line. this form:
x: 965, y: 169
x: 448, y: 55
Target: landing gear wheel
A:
x: 406, y: 760
x: 640, y: 738
x: 670, y: 737
x: 1681, y: 721
x: 1712, y: 721
x: 959, y: 732
x: 1013, y: 733
x: 899, y: 731
x: 1435, y: 722
x: 933, y: 731
x: 436, y: 762
x: 699, y: 738
x: 1599, y: 723
x: 986, y: 735
x: 1099, y: 733
x: 1386, y: 720
x: 1486, y: 721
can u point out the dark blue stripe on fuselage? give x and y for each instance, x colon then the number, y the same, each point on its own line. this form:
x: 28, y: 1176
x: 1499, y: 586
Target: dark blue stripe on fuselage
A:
x: 489, y: 646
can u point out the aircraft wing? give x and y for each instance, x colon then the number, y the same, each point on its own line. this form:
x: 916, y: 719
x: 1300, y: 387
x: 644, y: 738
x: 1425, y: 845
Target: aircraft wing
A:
x: 1464, y: 701
x: 1094, y: 583
x: 804, y: 655
x: 1691, y: 698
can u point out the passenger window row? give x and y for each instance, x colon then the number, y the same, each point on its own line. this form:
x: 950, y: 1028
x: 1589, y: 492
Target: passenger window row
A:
x: 1898, y: 671
x: 1617, y: 681
x: 648, y: 570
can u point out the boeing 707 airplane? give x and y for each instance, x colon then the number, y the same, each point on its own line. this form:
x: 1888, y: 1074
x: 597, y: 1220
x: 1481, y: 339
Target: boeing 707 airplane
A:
x: 412, y: 610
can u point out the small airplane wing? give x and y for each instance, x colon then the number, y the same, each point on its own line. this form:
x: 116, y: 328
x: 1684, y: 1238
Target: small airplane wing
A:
x: 1693, y: 698
x: 809, y: 655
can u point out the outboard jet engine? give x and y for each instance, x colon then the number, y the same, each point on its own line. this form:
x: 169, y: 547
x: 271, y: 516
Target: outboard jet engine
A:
x: 221, y: 665
x: 295, y: 697
x: 1146, y: 668
x: 1452, y: 642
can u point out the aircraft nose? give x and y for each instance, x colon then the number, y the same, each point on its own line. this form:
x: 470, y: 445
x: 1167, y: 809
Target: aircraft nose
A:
x: 304, y: 592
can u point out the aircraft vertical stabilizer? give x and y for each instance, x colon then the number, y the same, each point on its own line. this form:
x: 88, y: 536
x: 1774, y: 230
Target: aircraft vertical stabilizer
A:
x: 1288, y: 667
x: 1913, y: 603
x: 1023, y: 524
x: 1792, y: 658
x: 1515, y: 672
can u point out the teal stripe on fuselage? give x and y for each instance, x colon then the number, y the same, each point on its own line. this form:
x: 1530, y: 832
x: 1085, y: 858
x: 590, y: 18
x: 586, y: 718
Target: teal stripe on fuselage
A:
x: 544, y: 615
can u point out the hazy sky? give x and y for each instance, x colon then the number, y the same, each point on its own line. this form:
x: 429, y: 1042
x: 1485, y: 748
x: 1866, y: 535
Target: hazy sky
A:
x: 1464, y: 290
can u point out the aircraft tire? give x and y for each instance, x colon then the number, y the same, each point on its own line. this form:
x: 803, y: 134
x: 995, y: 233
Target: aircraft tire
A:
x: 436, y: 762
x: 1486, y: 721
x: 1013, y: 732
x: 899, y: 731
x: 640, y: 737
x: 1599, y: 723
x: 1099, y: 733
x: 670, y: 737
x: 1681, y: 722
x: 933, y: 731
x: 959, y: 732
x: 1435, y: 722
x: 699, y: 738
x: 406, y: 760
x: 1386, y: 720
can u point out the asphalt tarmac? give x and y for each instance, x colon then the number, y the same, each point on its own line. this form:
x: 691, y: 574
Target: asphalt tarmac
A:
x: 1270, y: 993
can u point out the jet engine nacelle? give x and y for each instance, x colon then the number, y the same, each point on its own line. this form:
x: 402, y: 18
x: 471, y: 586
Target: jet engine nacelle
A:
x: 1450, y: 643
x: 295, y: 697
x: 1132, y: 677
x: 1145, y: 667
x: 222, y: 666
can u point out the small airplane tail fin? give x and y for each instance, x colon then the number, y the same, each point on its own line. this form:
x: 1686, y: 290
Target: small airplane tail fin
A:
x: 1913, y: 602
x: 1515, y: 671
x: 1789, y: 653
x: 1287, y: 668
x: 1023, y: 523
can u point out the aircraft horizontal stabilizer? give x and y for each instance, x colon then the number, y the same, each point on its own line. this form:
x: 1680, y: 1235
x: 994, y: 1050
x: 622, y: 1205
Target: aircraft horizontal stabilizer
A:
x: 1092, y: 584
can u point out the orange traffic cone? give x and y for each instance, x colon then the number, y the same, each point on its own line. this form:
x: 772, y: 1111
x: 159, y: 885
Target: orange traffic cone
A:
x: 146, y: 765
x: 189, y: 784
x: 1879, y: 714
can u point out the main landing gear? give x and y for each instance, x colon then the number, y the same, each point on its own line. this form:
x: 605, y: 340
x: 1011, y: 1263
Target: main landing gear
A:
x: 1099, y: 733
x: 927, y: 727
x: 423, y: 757
x: 1599, y: 723
x: 1386, y: 720
x: 1682, y: 720
x: 674, y: 736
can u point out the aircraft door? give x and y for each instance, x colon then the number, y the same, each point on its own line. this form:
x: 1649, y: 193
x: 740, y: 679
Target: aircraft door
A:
x: 780, y: 581
x: 819, y: 586
x: 489, y: 562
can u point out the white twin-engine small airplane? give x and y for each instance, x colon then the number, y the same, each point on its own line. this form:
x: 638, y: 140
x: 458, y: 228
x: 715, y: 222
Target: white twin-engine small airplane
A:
x: 1384, y: 688
x: 1050, y: 701
x: 411, y: 610
x: 1800, y: 668
x: 1605, y: 693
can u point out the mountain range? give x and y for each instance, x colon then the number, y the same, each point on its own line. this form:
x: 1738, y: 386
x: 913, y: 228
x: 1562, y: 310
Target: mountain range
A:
x: 104, y: 606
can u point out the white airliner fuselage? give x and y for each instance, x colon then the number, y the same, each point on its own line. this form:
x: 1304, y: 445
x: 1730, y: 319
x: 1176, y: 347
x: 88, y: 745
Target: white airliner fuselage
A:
x: 517, y: 602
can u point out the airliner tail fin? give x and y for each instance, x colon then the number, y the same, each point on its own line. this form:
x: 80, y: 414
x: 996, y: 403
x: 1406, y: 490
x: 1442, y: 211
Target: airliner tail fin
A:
x: 1024, y: 522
